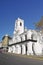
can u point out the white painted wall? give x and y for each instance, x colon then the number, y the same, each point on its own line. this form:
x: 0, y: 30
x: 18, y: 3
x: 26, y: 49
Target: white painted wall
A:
x: 35, y: 35
x: 10, y: 42
x: 18, y: 49
x: 23, y: 37
x: 29, y: 48
x: 29, y: 33
x: 10, y: 49
x: 38, y: 48
x: 13, y: 49
x: 16, y: 39
x: 23, y: 49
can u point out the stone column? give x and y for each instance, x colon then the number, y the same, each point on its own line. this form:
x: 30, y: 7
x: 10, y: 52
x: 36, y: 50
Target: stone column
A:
x: 23, y: 49
x: 23, y: 37
x: 18, y: 49
x: 29, y: 48
x: 13, y: 49
x: 29, y: 34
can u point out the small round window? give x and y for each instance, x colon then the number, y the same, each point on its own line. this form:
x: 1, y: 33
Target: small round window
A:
x: 20, y: 24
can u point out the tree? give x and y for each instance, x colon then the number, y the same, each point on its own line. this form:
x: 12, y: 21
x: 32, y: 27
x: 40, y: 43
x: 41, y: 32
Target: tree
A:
x: 39, y: 25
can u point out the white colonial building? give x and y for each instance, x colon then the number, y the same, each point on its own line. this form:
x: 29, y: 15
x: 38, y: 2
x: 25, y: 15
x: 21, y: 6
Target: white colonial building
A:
x: 25, y: 41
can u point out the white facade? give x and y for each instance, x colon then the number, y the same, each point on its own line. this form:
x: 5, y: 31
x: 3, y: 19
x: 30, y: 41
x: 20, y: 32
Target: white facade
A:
x: 37, y: 49
x: 23, y: 49
x: 29, y: 48
x: 19, y: 43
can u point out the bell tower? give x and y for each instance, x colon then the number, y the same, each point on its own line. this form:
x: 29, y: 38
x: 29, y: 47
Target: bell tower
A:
x: 19, y: 26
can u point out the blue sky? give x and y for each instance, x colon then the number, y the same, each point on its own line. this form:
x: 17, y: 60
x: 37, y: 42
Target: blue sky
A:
x: 29, y: 10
